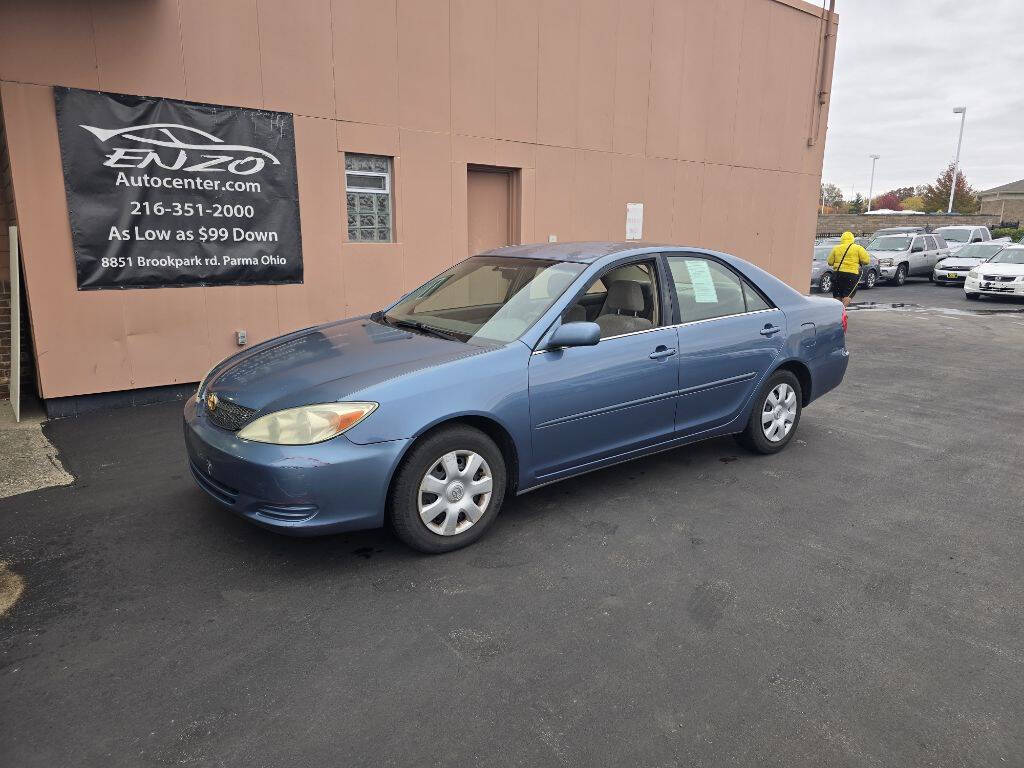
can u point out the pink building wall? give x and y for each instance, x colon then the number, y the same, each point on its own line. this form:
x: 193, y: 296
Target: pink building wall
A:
x: 700, y: 109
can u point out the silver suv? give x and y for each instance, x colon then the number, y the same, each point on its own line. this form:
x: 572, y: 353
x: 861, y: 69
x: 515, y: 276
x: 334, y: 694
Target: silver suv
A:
x: 900, y: 256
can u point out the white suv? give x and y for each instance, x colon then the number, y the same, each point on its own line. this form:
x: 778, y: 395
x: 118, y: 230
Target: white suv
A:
x: 960, y: 235
x: 900, y: 256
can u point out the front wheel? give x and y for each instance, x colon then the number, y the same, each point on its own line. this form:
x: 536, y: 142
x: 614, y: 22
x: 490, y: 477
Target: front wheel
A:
x: 448, y: 490
x: 972, y: 296
x: 901, y: 275
x: 774, y: 416
x: 825, y: 284
x: 871, y: 279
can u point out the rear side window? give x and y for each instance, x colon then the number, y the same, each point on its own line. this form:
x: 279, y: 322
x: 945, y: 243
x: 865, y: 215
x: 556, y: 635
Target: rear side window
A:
x: 706, y: 289
x: 755, y: 302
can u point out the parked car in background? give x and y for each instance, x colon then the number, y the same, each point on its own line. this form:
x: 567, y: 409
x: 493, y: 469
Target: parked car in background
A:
x: 953, y: 270
x: 834, y: 241
x: 960, y: 235
x: 1001, y: 275
x: 512, y: 369
x: 822, y: 275
x: 903, y: 255
x: 897, y: 231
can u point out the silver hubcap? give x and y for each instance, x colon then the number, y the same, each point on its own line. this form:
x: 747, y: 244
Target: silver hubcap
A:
x: 455, y: 492
x: 779, y: 412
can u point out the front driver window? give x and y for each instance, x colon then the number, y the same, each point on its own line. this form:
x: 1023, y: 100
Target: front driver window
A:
x: 622, y: 300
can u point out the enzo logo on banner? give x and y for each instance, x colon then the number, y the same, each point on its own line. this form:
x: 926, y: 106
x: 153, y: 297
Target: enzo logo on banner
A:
x: 248, y: 160
x: 173, y: 193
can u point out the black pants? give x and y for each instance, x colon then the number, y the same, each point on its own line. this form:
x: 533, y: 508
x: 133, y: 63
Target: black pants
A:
x: 844, y: 284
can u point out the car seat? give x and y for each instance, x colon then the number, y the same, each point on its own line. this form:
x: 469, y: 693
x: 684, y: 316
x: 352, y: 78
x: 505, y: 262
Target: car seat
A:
x: 622, y: 308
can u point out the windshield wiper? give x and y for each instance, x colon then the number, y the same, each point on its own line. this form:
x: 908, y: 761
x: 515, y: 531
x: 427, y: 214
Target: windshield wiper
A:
x: 418, y: 326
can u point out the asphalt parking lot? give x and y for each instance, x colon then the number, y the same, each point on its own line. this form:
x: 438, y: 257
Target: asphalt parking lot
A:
x: 856, y: 600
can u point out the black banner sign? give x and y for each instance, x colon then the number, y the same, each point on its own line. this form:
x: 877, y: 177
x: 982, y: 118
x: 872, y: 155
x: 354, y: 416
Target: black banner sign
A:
x: 174, y: 193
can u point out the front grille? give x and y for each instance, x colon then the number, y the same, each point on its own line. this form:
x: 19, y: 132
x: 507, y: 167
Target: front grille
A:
x: 230, y: 416
x: 954, y: 269
x: 999, y: 278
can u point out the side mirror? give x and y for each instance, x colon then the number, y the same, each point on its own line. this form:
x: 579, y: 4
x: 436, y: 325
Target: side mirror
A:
x: 917, y: 249
x: 976, y: 239
x: 576, y: 334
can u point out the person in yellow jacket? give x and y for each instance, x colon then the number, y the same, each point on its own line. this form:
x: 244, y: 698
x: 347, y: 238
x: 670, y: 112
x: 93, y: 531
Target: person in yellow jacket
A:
x: 846, y: 259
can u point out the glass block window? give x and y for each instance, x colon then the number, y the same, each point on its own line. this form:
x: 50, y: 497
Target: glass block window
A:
x: 368, y: 197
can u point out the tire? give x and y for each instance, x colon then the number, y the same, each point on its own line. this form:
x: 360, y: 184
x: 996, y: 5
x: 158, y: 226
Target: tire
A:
x: 445, y: 455
x: 755, y: 436
x: 870, y: 280
x: 825, y: 283
x: 971, y: 296
x: 931, y: 277
x: 901, y: 275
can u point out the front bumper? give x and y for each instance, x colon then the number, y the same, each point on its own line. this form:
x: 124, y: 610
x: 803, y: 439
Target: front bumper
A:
x: 952, y: 278
x: 301, y: 490
x: 887, y: 272
x: 990, y: 288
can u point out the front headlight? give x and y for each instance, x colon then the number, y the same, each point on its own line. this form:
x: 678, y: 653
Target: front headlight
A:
x: 885, y: 262
x: 308, y: 424
x: 973, y: 274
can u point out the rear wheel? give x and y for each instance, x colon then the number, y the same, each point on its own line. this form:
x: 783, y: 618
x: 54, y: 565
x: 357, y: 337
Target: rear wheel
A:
x: 448, y: 490
x: 774, y: 416
x: 825, y: 284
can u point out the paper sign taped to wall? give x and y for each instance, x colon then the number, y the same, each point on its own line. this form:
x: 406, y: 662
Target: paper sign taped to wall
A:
x: 703, y: 285
x: 634, y: 221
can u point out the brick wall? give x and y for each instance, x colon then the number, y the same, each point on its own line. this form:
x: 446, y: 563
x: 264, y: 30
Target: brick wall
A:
x: 1007, y: 209
x: 863, y: 224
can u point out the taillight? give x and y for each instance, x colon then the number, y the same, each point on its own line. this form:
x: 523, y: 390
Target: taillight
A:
x: 845, y: 321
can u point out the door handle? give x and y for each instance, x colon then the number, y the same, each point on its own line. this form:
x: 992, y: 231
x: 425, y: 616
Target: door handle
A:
x: 769, y: 329
x: 661, y: 352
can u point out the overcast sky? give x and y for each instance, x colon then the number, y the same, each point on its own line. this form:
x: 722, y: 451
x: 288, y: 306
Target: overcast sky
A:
x: 901, y: 67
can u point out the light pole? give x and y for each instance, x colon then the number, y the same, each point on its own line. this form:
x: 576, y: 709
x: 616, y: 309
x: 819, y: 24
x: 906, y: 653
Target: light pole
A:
x: 962, y: 111
x: 871, y: 186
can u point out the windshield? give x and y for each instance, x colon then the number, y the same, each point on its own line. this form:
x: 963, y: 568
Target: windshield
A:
x: 821, y: 253
x: 487, y: 298
x: 979, y: 251
x: 955, y: 235
x: 890, y: 243
x: 1008, y: 256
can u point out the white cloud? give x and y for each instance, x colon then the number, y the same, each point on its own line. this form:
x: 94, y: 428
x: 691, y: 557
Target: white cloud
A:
x: 901, y: 67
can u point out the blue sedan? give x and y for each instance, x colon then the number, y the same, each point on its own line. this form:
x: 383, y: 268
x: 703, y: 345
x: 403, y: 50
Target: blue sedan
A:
x: 513, y: 369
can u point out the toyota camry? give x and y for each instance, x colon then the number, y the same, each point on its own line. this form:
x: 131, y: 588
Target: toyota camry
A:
x: 513, y: 369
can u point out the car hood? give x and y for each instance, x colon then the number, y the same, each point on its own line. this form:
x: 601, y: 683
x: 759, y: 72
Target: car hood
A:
x: 886, y: 254
x: 1001, y: 269
x: 328, y: 362
x: 954, y: 246
x: 958, y: 262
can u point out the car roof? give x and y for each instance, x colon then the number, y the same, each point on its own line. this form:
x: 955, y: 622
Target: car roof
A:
x: 960, y: 226
x: 582, y: 252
